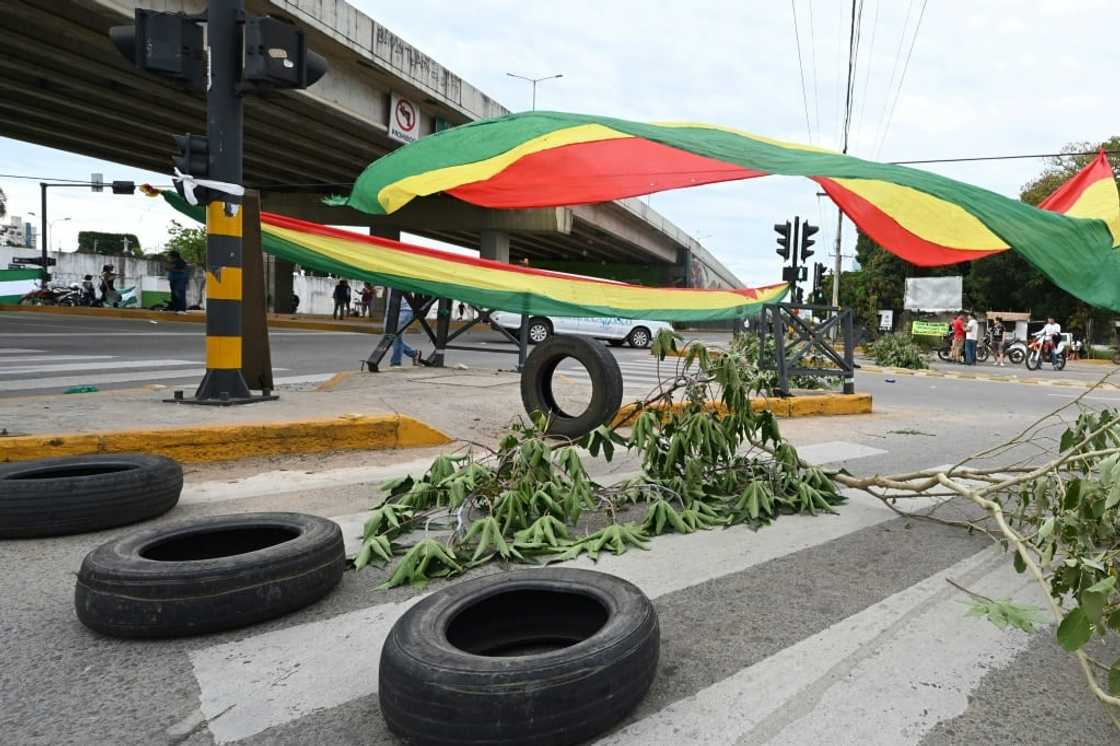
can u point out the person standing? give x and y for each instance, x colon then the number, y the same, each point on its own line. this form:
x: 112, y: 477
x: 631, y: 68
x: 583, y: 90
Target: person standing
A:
x: 971, y: 337
x: 367, y: 298
x: 109, y: 294
x: 998, y: 334
x: 341, y: 300
x: 958, y: 338
x: 177, y: 277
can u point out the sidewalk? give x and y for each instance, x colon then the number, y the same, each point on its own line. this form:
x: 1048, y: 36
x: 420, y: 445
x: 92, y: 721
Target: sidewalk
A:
x: 1078, y: 374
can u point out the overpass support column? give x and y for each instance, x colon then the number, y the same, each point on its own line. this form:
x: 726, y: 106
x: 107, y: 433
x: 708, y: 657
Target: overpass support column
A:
x: 494, y: 245
x: 378, y: 306
x: 281, y: 284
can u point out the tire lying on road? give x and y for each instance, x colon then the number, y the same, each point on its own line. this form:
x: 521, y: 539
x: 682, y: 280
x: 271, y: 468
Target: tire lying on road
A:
x: 208, y: 574
x: 606, y: 383
x: 536, y: 657
x: 51, y: 497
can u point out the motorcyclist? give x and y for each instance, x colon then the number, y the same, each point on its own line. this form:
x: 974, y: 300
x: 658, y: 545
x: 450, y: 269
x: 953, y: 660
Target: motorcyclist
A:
x: 1051, y: 336
x: 109, y: 294
x: 87, y: 294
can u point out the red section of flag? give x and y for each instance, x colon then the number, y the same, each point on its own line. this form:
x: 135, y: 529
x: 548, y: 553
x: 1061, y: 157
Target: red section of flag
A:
x: 1066, y: 196
x: 885, y: 231
x: 600, y: 171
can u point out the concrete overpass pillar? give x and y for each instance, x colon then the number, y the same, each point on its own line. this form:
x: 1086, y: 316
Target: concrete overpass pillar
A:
x: 494, y: 245
x: 278, y: 273
x: 377, y: 306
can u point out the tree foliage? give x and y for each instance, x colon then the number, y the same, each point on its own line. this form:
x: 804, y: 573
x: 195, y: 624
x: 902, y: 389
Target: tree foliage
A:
x: 98, y: 242
x: 189, y: 242
x: 532, y: 500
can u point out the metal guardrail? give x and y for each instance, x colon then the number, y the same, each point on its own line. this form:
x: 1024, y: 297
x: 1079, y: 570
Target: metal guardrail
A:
x: 797, y: 338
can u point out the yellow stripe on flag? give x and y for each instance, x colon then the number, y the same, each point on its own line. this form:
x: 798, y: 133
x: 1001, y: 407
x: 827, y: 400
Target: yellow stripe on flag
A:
x: 396, y: 195
x: 1100, y: 201
x: 926, y: 216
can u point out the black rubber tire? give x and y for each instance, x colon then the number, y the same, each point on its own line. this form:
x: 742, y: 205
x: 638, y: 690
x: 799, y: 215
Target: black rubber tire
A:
x: 73, y: 495
x: 639, y: 337
x: 1059, y: 362
x: 542, y: 328
x: 943, y: 354
x: 142, y: 585
x: 1033, y: 361
x: 983, y: 352
x: 434, y: 692
x: 1016, y: 356
x: 606, y: 383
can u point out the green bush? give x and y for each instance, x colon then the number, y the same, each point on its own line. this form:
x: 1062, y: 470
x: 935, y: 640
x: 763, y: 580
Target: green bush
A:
x: 897, y: 351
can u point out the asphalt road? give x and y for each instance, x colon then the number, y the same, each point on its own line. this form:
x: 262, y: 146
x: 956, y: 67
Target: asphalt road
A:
x: 831, y: 629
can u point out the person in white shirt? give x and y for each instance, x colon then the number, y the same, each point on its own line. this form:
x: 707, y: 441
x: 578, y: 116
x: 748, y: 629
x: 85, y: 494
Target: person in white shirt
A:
x: 1051, y: 336
x: 971, y: 336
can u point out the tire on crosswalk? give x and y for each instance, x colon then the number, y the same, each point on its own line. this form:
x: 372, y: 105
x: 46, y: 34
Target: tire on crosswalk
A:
x: 73, y: 495
x: 536, y: 657
x: 208, y: 574
x: 606, y: 383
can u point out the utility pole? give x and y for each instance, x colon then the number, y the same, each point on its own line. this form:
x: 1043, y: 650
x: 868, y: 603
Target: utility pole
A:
x: 836, y: 269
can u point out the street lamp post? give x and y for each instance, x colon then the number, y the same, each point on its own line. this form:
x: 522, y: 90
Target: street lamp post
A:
x: 533, y: 84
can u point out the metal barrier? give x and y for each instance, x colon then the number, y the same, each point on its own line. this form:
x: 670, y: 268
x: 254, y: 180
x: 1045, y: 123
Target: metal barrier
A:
x: 442, y: 337
x: 807, y: 338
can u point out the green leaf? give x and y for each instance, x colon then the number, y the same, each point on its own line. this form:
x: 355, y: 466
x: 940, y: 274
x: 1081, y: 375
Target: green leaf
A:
x: 1046, y: 529
x: 1020, y: 565
x: 1075, y: 630
x: 1073, y: 495
x: 427, y: 559
x: 1005, y: 612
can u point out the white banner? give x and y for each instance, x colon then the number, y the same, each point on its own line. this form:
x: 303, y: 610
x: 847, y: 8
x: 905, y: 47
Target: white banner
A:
x: 934, y: 293
x: 404, y: 119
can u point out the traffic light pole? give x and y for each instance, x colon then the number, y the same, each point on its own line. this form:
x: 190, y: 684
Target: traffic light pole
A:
x: 223, y: 382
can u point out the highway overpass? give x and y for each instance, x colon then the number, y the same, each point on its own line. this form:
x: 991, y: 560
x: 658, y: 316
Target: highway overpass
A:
x: 64, y: 85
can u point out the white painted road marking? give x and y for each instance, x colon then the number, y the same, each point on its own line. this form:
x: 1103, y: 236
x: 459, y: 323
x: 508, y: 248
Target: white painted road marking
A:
x: 1094, y: 398
x: 836, y: 450
x: 64, y: 381
x: 16, y: 350
x: 121, y: 364
x: 56, y: 358
x: 276, y: 677
x: 856, y: 682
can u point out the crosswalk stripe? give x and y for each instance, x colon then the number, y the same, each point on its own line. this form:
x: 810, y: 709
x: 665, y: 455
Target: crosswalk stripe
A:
x: 29, y: 384
x: 275, y: 677
x: 850, y: 677
x: 69, y: 367
x: 57, y: 358
x: 16, y: 351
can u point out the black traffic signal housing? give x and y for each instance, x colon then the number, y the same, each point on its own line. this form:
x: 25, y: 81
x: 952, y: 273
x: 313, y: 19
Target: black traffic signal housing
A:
x: 168, y: 44
x: 783, y: 231
x: 124, y: 187
x: 818, y: 276
x: 789, y: 275
x: 192, y: 157
x: 807, y: 233
x: 276, y: 56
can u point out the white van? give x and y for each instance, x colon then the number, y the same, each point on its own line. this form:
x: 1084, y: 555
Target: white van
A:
x: 636, y: 332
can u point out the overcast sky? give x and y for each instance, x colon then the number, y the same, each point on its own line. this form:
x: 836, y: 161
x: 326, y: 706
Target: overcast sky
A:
x: 986, y: 77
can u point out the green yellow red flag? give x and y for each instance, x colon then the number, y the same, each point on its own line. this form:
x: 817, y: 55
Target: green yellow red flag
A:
x: 546, y: 159
x: 488, y: 284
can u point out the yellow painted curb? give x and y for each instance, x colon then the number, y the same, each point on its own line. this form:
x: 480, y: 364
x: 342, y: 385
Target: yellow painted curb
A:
x: 334, y: 381
x: 825, y: 405
x: 202, y: 443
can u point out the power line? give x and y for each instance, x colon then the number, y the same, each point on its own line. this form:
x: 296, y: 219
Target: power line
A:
x: 813, y: 57
x: 801, y: 67
x: 1001, y: 157
x: 902, y: 79
x: 43, y: 178
x: 867, y: 74
x: 894, y: 70
x: 853, y: 67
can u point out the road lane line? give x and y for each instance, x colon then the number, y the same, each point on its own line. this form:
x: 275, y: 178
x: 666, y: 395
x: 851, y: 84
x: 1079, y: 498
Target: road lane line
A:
x: 279, y: 676
x: 885, y: 675
x: 17, y: 351
x: 70, y: 367
x: 155, y: 376
x: 54, y: 358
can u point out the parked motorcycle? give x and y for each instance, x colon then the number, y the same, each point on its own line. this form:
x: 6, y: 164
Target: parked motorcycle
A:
x: 44, y: 296
x: 1016, y: 351
x: 1039, y: 348
x: 983, y: 348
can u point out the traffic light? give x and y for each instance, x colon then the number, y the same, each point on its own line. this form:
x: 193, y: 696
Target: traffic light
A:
x: 802, y: 273
x: 807, y: 233
x: 276, y: 56
x: 168, y: 44
x: 789, y: 275
x: 124, y: 187
x: 818, y: 276
x: 783, y: 231
x: 193, y: 158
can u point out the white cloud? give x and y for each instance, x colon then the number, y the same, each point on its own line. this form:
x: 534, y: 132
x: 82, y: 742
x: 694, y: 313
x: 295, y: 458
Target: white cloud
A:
x: 997, y: 77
